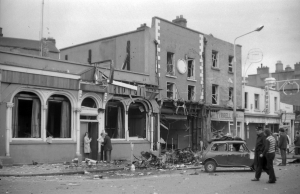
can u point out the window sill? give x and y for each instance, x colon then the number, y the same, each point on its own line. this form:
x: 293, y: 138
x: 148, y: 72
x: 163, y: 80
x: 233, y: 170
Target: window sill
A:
x: 171, y: 76
x: 256, y: 110
x: 230, y: 72
x: 215, y: 104
x: 191, y: 79
x: 215, y: 68
x: 39, y: 141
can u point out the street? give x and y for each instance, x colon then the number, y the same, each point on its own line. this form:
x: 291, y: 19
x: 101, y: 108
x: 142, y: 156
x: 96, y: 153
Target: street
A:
x: 233, y: 181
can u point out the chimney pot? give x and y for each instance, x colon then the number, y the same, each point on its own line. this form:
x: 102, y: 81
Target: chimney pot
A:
x: 177, y: 17
x: 181, y: 16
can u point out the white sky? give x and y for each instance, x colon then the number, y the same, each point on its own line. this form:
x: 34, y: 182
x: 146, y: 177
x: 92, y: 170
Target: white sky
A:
x: 72, y: 22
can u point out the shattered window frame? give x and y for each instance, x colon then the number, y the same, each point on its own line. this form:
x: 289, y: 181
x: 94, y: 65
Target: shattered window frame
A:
x: 230, y: 93
x: 22, y: 100
x: 215, y: 94
x: 191, y: 93
x: 216, y: 147
x: 191, y: 69
x: 170, y: 90
x: 215, y: 59
x: 170, y: 64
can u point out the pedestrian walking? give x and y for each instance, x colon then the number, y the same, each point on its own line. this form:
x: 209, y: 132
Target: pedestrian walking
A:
x: 107, y: 147
x: 297, y: 143
x: 87, y: 146
x: 269, y: 153
x: 282, y: 145
x: 260, y: 161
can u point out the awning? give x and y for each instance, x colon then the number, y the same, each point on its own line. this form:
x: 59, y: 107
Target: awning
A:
x: 261, y: 119
x: 174, y: 117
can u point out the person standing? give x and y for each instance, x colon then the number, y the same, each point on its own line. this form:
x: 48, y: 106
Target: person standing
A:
x: 87, y: 146
x: 269, y: 153
x: 282, y: 145
x: 106, y: 146
x: 297, y: 143
x: 259, y: 162
x: 101, y: 151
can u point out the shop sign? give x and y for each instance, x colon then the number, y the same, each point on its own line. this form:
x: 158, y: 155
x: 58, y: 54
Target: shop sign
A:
x: 267, y: 100
x: 226, y: 115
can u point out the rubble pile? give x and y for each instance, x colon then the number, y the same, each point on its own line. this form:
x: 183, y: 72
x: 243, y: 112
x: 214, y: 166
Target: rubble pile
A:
x: 168, y: 159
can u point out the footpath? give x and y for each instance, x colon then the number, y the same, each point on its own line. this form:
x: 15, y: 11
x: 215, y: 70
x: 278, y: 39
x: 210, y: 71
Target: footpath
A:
x: 65, y: 168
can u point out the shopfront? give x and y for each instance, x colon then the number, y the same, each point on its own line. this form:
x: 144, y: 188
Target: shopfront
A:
x: 222, y: 121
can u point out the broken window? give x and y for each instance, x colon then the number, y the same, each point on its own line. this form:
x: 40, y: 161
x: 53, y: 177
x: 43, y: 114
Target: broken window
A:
x: 215, y: 93
x: 58, y: 117
x: 256, y: 101
x: 26, y: 116
x: 170, y: 90
x: 191, y: 69
x: 246, y: 100
x: 114, y: 120
x: 90, y: 56
x: 215, y: 57
x: 126, y: 64
x: 219, y: 147
x: 230, y: 94
x: 230, y: 61
x: 237, y: 147
x: 137, y: 122
x: 191, y: 92
x: 88, y: 109
x: 170, y: 64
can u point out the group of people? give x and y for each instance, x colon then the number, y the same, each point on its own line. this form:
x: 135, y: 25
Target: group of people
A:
x: 265, y: 152
x: 106, y: 147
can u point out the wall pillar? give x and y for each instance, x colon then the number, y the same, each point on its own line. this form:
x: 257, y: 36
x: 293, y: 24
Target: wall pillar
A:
x: 78, y: 110
x: 43, y: 122
x: 8, y: 127
x: 126, y: 126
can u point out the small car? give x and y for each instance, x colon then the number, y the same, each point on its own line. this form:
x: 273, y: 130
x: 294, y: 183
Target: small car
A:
x: 228, y: 153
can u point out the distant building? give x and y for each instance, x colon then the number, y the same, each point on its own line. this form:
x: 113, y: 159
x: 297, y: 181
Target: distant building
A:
x: 31, y: 47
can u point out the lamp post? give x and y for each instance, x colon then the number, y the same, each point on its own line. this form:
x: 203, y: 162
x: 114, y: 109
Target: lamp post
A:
x: 234, y: 74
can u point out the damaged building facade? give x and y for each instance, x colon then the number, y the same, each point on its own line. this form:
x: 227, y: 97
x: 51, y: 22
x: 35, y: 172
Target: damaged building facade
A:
x: 218, y: 83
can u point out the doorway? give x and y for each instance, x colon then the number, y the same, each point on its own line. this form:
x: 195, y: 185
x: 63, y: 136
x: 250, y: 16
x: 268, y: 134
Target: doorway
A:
x: 92, y: 129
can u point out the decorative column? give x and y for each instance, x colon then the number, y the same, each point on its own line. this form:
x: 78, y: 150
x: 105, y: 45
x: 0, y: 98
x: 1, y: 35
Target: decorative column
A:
x: 151, y: 131
x: 44, y: 124
x: 8, y: 126
x: 126, y: 126
x: 78, y: 110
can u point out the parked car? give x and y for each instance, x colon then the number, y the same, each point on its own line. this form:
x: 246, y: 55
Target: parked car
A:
x: 228, y: 153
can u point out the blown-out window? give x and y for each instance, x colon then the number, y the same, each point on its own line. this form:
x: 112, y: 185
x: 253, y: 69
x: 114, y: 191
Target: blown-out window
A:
x: 26, y: 116
x: 170, y: 64
x: 215, y: 94
x: 114, y: 120
x: 191, y: 69
x: 58, y: 117
x: 137, y: 122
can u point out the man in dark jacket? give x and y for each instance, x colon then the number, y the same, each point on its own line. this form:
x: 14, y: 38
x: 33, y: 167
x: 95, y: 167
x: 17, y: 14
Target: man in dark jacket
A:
x: 282, y: 145
x: 107, y: 146
x: 259, y: 162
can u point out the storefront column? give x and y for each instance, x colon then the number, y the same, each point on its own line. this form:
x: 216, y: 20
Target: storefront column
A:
x: 43, y: 131
x: 126, y: 126
x: 78, y: 110
x: 8, y: 126
x: 158, y: 132
x: 151, y: 131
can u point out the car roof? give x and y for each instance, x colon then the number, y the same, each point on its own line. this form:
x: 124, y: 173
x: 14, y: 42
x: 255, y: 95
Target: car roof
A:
x: 230, y: 141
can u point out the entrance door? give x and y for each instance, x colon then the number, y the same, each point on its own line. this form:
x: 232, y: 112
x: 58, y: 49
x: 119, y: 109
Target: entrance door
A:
x: 92, y: 129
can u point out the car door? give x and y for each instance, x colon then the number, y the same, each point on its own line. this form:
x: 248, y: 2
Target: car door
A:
x: 238, y: 154
x: 219, y: 153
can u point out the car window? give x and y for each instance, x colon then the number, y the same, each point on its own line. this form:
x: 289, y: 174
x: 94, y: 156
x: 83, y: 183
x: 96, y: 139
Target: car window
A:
x: 219, y: 147
x: 236, y: 147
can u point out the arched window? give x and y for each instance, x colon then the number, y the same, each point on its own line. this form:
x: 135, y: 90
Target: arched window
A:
x: 26, y: 116
x: 58, y: 117
x: 89, y: 109
x: 114, y: 119
x: 137, y: 122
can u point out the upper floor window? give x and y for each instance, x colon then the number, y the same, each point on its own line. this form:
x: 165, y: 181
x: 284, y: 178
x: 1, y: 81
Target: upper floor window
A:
x: 66, y: 57
x: 191, y: 93
x: 126, y: 64
x: 170, y: 90
x: 90, y: 56
x: 170, y: 64
x: 191, y: 69
x: 215, y: 59
x: 256, y: 101
x: 215, y: 94
x: 26, y: 116
x: 275, y: 104
x: 230, y: 61
x: 230, y: 94
x: 246, y: 100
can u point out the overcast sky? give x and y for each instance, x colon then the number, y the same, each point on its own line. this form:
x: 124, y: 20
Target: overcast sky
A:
x: 72, y: 22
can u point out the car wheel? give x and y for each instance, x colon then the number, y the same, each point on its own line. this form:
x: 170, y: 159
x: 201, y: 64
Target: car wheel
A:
x: 210, y: 166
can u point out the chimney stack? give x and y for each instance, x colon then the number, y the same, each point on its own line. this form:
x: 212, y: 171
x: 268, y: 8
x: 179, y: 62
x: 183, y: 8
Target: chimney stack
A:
x: 143, y: 26
x: 180, y: 20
